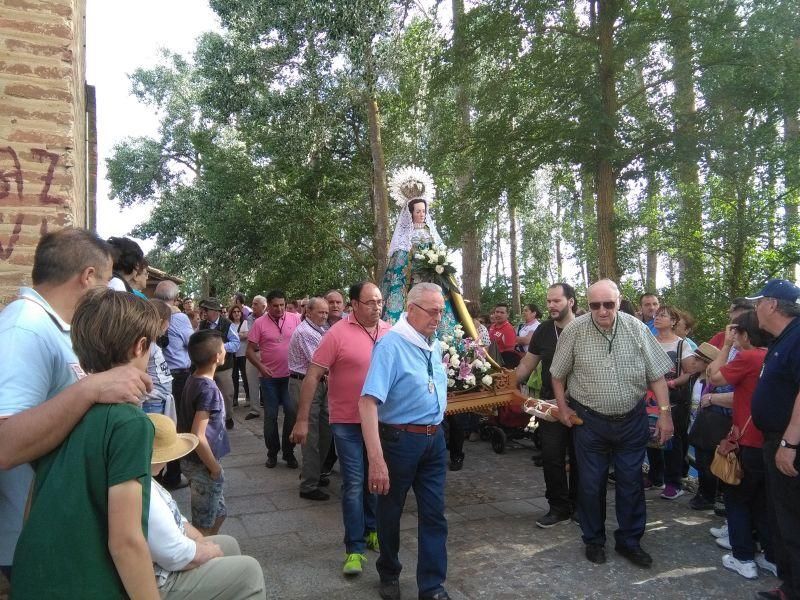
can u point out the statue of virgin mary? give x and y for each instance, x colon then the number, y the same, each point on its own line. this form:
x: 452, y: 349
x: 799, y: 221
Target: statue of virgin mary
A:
x: 413, y: 191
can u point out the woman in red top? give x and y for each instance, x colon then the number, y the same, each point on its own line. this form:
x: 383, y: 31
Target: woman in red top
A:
x: 746, y: 503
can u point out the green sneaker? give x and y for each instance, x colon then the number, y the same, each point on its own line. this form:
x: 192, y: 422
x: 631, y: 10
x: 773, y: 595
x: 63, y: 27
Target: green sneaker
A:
x: 353, y: 564
x: 372, y: 541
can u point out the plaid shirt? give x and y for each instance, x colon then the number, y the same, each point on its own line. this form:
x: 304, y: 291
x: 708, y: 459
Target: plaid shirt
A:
x: 305, y: 341
x: 609, y: 373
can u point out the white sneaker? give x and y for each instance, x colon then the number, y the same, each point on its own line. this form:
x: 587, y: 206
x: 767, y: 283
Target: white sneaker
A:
x: 724, y: 542
x: 765, y: 565
x: 720, y: 532
x: 745, y: 568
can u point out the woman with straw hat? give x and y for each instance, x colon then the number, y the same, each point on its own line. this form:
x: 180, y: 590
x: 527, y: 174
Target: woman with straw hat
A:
x: 186, y: 563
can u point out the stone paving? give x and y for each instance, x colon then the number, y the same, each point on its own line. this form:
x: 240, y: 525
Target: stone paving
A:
x: 495, y: 549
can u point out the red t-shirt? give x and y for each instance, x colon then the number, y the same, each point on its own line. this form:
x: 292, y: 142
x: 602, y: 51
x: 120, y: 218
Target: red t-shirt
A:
x: 504, y: 336
x: 718, y: 339
x: 742, y: 373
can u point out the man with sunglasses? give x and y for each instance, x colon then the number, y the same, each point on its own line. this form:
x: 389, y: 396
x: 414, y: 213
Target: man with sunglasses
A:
x: 607, y: 360
x: 402, y: 406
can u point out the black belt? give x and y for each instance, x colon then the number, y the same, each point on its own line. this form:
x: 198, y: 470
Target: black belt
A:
x: 613, y: 418
x: 414, y: 428
x: 299, y: 376
x: 178, y: 371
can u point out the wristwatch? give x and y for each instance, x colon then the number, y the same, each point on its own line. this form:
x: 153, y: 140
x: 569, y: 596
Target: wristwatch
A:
x: 785, y: 444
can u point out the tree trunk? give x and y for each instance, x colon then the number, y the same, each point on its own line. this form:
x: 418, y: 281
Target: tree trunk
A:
x: 470, y: 238
x: 690, y: 214
x: 512, y: 232
x: 497, y: 249
x: 651, y: 237
x: 559, y: 254
x: 589, y: 240
x: 791, y: 128
x: 607, y: 13
x: 380, y: 204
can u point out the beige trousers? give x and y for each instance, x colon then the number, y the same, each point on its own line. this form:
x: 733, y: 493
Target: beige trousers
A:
x: 253, y: 382
x: 233, y: 577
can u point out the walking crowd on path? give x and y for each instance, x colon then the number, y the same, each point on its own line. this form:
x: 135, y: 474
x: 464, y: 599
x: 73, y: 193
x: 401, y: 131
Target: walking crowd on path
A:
x: 109, y: 401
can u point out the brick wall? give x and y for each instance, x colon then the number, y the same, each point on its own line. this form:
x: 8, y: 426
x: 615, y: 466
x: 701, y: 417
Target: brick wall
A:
x: 44, y: 155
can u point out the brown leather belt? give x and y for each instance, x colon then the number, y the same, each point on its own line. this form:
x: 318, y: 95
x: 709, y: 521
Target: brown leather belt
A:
x: 412, y: 428
x: 299, y: 376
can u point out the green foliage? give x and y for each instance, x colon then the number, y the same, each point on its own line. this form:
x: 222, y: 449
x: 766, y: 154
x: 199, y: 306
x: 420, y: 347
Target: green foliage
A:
x: 261, y: 172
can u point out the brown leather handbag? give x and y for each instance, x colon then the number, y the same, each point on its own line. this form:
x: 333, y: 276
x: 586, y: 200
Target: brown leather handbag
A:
x: 726, y: 464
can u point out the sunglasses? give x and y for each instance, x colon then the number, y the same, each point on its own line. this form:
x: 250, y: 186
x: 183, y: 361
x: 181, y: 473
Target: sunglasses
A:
x: 608, y: 305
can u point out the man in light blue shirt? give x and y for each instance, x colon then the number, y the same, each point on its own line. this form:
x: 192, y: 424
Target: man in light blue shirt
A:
x: 43, y: 391
x: 649, y: 305
x: 401, y: 407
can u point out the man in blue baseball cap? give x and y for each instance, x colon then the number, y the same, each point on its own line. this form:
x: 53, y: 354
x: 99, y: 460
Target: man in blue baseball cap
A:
x: 776, y: 412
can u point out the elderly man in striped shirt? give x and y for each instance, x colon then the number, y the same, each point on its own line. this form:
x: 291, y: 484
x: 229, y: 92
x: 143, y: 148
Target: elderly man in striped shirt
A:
x: 305, y: 341
x: 608, y: 360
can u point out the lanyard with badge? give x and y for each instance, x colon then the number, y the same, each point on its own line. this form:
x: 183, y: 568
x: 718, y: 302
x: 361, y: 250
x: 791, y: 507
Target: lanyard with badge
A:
x: 279, y: 326
x: 429, y: 357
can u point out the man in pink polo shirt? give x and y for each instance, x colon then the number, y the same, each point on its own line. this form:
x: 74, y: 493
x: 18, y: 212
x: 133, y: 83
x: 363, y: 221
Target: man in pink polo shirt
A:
x: 268, y: 351
x: 345, y: 353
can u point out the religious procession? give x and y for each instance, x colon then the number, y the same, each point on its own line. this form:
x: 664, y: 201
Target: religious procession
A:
x: 427, y: 300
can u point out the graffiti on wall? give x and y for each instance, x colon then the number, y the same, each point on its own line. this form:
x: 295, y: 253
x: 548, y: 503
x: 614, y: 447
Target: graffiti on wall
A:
x: 12, y: 185
x: 12, y: 180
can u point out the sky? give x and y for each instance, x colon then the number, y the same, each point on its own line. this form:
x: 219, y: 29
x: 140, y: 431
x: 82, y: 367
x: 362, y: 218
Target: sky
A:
x: 120, y: 37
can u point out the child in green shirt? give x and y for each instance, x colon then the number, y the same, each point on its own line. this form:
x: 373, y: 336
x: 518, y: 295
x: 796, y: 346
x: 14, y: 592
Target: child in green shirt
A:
x: 85, y: 536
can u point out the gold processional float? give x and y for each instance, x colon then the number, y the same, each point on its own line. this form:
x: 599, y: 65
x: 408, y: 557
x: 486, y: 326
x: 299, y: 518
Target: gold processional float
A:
x: 504, y: 388
x: 504, y: 381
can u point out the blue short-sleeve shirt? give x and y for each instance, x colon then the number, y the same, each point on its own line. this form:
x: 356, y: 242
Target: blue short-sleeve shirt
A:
x: 398, y: 379
x: 779, y: 383
x: 37, y: 363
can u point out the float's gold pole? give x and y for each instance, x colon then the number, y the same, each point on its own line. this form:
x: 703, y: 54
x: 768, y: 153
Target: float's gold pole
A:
x: 460, y: 308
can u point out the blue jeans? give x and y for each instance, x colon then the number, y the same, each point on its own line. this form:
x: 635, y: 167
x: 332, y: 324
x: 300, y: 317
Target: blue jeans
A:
x: 153, y: 406
x: 417, y: 461
x: 746, y: 507
x: 598, y: 442
x: 358, y: 505
x: 275, y: 391
x: 667, y: 465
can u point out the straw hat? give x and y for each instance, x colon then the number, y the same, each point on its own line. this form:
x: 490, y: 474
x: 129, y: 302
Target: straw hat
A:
x: 706, y: 352
x: 168, y: 444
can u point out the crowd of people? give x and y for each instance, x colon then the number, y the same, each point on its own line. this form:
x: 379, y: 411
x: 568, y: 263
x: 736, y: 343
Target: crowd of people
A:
x: 146, y: 388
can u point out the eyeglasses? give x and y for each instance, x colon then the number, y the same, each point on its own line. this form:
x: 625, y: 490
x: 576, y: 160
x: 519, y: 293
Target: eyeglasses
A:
x: 608, y: 305
x: 432, y: 312
x: 371, y: 303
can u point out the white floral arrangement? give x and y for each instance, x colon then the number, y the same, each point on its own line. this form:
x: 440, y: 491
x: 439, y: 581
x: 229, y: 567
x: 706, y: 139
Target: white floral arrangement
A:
x: 434, y: 264
x: 465, y: 361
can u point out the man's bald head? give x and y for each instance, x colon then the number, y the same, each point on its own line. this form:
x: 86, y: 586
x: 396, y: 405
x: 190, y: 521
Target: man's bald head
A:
x: 167, y: 291
x: 603, y: 299
x: 603, y: 285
